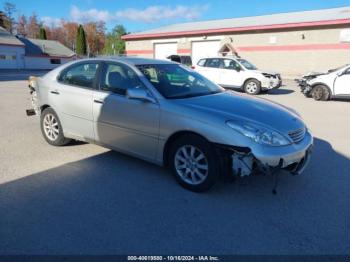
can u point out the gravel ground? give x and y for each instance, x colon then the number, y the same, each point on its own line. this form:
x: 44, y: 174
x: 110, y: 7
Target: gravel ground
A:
x: 84, y: 199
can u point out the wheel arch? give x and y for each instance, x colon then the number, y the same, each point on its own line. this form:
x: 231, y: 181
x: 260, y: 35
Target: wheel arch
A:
x: 172, y: 138
x: 43, y: 107
x: 322, y: 84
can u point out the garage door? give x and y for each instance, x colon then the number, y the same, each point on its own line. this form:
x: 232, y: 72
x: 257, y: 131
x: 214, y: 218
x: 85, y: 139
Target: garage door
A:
x: 163, y: 50
x: 8, y: 60
x: 204, y: 49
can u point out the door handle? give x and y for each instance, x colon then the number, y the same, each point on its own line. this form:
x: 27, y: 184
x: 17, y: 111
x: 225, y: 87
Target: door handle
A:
x: 98, y: 101
x: 55, y: 92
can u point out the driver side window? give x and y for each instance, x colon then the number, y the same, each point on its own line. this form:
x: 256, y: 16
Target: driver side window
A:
x: 117, y: 78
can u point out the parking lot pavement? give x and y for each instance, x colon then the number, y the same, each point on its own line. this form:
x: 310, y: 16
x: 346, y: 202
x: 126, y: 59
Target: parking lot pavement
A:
x: 84, y: 199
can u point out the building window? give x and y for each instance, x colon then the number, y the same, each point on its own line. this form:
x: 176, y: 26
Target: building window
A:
x: 8, y: 57
x: 55, y: 61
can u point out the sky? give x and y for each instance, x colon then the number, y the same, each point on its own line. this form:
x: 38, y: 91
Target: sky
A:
x: 139, y: 15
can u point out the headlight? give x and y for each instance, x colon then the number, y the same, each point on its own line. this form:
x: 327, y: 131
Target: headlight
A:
x: 259, y: 134
x: 267, y: 75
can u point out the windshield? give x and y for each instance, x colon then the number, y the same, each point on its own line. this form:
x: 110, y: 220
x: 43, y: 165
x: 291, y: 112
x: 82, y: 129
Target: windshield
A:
x: 177, y: 81
x: 247, y: 64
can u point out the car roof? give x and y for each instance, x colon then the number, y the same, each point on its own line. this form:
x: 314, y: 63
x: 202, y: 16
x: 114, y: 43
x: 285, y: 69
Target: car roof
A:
x: 131, y: 60
x: 221, y: 57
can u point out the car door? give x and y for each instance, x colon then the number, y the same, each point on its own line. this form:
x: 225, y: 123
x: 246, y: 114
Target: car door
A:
x: 230, y: 74
x: 73, y: 99
x: 342, y: 83
x: 128, y: 125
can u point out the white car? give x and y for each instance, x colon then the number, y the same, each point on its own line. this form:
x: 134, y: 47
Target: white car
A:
x: 232, y: 72
x: 324, y: 86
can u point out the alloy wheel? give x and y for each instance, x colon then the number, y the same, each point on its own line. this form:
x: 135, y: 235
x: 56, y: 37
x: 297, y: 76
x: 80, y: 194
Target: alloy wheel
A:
x: 51, y: 127
x: 191, y: 164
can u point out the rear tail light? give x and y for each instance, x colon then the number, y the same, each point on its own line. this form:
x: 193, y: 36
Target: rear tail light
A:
x: 193, y: 67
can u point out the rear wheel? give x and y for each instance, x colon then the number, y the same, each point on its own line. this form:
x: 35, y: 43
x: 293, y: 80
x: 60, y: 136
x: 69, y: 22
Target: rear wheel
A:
x: 252, y: 87
x: 193, y: 162
x: 320, y: 93
x: 51, y: 128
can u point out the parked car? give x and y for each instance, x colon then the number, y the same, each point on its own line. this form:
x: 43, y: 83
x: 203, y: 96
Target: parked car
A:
x: 232, y: 72
x: 324, y: 86
x: 170, y: 115
x: 181, y: 59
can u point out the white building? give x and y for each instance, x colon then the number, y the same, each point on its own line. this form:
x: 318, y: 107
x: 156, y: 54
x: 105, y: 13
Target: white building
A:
x: 290, y: 43
x: 26, y: 53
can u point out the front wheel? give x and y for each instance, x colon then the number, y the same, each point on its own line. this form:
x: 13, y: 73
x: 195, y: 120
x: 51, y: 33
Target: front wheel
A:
x: 51, y: 128
x: 252, y: 87
x: 194, y: 163
x: 320, y: 93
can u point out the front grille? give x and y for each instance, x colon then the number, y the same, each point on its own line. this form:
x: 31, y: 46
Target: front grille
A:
x: 297, y: 135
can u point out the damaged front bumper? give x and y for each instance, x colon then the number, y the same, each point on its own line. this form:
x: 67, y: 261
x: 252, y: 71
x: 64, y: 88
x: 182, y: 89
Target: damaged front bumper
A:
x: 267, y: 160
x: 271, y: 82
x: 305, y: 88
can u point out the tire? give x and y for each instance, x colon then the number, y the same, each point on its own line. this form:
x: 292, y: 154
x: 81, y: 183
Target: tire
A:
x: 51, y: 128
x: 320, y: 93
x: 252, y: 87
x: 194, y: 163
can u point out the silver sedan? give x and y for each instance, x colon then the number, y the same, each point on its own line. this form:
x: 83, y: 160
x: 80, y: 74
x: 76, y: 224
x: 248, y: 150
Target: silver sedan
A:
x: 168, y: 114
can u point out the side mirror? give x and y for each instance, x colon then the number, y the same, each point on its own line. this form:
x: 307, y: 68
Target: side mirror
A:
x: 139, y: 94
x: 238, y: 69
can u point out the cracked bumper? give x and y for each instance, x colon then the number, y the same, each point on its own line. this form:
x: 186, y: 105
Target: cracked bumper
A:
x: 271, y: 83
x: 294, y: 157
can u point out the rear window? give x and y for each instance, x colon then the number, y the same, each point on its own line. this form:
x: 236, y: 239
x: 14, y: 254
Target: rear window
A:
x: 82, y: 75
x: 215, y: 63
x: 201, y: 62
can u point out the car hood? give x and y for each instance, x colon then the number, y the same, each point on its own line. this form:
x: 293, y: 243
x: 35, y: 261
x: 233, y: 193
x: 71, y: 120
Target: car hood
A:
x: 314, y: 74
x: 265, y: 72
x: 231, y: 106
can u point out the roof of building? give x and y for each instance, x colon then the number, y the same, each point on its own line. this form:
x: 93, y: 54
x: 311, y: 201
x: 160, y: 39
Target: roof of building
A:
x: 8, y: 39
x: 331, y: 16
x: 37, y: 47
x: 130, y: 60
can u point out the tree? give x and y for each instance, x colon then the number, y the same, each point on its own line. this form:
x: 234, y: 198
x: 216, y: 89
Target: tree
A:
x: 42, y: 33
x: 114, y: 43
x: 70, y: 33
x: 4, y: 21
x: 33, y: 27
x: 22, y: 25
x: 9, y: 9
x: 81, y: 41
x: 57, y: 33
x: 95, y: 35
